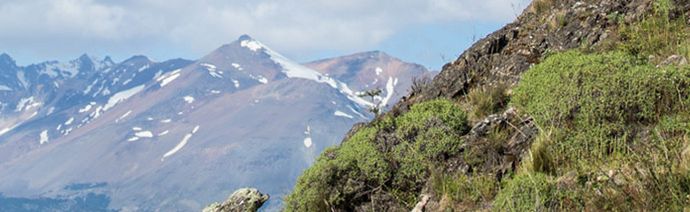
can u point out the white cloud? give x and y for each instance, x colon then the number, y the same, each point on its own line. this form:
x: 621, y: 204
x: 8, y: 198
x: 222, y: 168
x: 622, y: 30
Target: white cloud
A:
x: 291, y: 27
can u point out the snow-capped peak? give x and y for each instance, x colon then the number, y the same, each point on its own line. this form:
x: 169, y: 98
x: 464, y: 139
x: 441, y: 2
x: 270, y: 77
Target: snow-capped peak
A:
x: 295, y: 70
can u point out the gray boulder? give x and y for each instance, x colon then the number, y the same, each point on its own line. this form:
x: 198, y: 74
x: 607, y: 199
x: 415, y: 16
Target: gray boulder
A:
x: 246, y: 199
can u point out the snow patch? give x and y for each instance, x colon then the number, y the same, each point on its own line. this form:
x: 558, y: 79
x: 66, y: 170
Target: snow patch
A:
x: 69, y: 121
x: 166, y: 121
x: 237, y: 66
x: 178, y: 147
x: 215, y: 74
x: 144, y: 134
x: 126, y: 81
x: 136, y: 128
x: 208, y: 66
x: 259, y: 78
x: 188, y: 99
x: 215, y: 91
x: 122, y: 96
x: 85, y: 109
x: 24, y: 102
x: 123, y: 116
x: 143, y: 68
x: 22, y: 79
x: 195, y: 129
x: 96, y: 112
x: 163, y: 133
x: 167, y: 78
x: 67, y: 131
x: 389, y: 91
x: 44, y: 137
x: 7, y: 129
x: 251, y: 45
x: 343, y: 114
x: 355, y: 111
x: 133, y: 139
x: 378, y: 71
x: 105, y: 92
x: 237, y: 83
x: 50, y: 111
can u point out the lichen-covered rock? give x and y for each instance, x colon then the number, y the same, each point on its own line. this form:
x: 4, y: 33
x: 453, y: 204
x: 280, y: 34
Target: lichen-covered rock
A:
x: 246, y: 199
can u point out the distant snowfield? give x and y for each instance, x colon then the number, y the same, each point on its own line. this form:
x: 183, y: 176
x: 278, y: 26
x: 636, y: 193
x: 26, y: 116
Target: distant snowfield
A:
x: 122, y: 96
x: 294, y: 70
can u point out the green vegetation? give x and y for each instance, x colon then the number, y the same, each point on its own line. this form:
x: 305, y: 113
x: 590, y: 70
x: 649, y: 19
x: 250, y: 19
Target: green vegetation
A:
x: 485, y: 101
x: 660, y: 34
x: 462, y: 192
x: 614, y: 135
x: 618, y: 121
x: 388, y: 160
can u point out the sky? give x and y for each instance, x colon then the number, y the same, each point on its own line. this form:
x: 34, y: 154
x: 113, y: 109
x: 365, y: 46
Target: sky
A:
x: 428, y: 32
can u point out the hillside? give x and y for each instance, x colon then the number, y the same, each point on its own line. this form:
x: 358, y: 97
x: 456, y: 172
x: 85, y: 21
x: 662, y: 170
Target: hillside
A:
x: 575, y: 106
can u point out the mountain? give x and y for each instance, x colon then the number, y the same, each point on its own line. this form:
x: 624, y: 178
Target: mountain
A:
x: 372, y: 70
x: 170, y: 136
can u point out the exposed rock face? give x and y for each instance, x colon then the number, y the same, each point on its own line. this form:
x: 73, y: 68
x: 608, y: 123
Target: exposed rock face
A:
x: 674, y: 59
x: 246, y: 199
x: 504, y: 55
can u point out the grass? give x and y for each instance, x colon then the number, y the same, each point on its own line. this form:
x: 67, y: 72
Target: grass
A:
x: 657, y: 34
x: 462, y: 192
x: 484, y: 101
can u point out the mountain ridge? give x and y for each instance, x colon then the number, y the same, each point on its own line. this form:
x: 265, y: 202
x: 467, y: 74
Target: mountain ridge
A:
x: 140, y: 127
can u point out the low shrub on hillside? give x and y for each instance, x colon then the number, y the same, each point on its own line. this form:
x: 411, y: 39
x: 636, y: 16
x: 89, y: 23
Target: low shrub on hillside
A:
x: 389, y: 160
x: 616, y: 123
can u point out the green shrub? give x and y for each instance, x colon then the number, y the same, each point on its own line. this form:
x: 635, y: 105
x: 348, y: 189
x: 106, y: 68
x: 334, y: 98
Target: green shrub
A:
x: 344, y: 177
x: 599, y: 100
x: 525, y: 192
x: 621, y: 123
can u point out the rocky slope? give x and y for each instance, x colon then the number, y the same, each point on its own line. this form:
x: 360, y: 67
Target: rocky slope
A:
x: 567, y: 137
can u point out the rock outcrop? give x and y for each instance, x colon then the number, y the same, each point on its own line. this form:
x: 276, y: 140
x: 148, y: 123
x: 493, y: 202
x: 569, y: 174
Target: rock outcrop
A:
x: 502, y: 56
x: 246, y: 199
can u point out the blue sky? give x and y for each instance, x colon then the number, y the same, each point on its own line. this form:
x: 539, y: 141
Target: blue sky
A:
x: 428, y: 32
